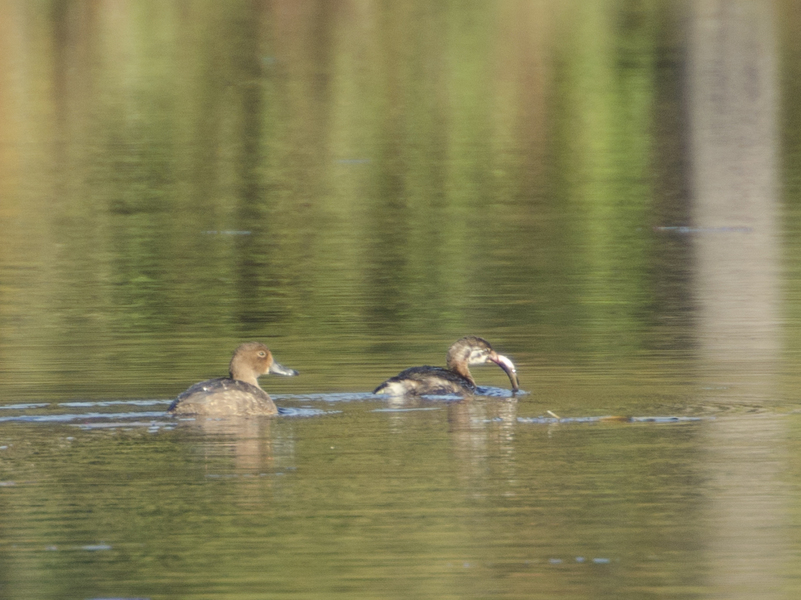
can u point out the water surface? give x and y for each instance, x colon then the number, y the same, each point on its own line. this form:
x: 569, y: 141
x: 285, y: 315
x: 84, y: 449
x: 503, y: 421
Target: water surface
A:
x: 606, y: 191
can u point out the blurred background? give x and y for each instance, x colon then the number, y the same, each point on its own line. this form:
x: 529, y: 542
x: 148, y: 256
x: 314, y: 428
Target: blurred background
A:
x: 360, y: 184
x: 607, y: 191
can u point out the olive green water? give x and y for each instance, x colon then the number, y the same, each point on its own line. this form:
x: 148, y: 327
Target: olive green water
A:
x: 607, y: 191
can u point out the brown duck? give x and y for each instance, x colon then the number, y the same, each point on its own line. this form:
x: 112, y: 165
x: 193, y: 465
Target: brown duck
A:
x: 238, y: 394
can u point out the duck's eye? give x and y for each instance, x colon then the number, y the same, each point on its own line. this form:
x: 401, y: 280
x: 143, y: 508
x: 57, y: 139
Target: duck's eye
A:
x: 262, y: 353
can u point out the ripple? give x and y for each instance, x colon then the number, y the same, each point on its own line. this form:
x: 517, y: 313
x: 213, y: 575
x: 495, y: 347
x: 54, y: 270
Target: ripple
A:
x: 67, y: 417
x: 89, y: 404
x: 336, y: 397
x: 414, y: 409
x: 151, y: 426
x: 611, y: 419
x: 497, y: 392
x: 304, y: 412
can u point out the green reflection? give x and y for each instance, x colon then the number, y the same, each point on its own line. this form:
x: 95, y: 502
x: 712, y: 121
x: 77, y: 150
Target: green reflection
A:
x: 359, y: 184
x: 333, y: 176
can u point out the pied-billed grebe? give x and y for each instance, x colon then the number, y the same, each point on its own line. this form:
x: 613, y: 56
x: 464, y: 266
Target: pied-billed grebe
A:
x: 236, y: 395
x: 456, y: 378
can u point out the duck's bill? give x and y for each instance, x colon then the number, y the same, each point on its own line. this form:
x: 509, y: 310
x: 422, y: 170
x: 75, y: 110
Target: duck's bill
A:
x: 507, y: 365
x: 276, y: 369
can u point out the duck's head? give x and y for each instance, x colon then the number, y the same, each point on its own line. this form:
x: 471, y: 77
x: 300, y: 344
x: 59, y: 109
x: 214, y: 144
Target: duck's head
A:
x: 253, y: 359
x: 472, y: 350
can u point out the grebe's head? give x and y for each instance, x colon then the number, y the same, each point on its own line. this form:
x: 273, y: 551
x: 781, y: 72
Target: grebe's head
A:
x: 473, y: 350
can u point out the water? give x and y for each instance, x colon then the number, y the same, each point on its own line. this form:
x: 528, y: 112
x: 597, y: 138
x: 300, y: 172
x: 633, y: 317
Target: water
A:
x: 606, y: 191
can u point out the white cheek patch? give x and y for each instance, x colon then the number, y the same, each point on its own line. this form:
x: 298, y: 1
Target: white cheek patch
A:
x: 477, y: 357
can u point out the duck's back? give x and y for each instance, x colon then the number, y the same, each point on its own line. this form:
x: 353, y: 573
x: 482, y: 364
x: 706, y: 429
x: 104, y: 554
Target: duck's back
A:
x: 223, y: 397
x: 426, y: 380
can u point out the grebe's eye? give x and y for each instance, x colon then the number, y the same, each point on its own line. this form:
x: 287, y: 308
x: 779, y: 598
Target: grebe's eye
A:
x: 262, y: 353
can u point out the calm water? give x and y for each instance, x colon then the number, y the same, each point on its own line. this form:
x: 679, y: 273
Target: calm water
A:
x: 607, y: 191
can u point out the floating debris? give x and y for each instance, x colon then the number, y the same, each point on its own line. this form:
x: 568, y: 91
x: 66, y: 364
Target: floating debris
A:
x: 117, y: 598
x: 684, y: 229
x: 407, y: 409
x: 227, y: 232
x: 96, y: 547
x: 610, y: 418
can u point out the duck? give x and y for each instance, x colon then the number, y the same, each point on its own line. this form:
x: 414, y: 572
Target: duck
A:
x: 239, y: 394
x: 453, y: 379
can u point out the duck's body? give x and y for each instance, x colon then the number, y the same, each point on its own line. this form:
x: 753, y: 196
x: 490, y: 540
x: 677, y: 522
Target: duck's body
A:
x: 224, y: 396
x: 456, y: 378
x: 236, y: 395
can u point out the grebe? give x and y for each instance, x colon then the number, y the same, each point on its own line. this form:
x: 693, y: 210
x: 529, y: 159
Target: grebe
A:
x: 238, y: 394
x: 456, y: 378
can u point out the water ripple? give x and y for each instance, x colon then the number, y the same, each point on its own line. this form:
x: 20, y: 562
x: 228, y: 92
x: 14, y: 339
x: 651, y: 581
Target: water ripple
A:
x: 611, y: 419
x: 67, y: 417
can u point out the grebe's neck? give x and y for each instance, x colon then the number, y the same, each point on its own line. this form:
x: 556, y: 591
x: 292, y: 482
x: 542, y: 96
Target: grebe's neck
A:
x: 458, y: 356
